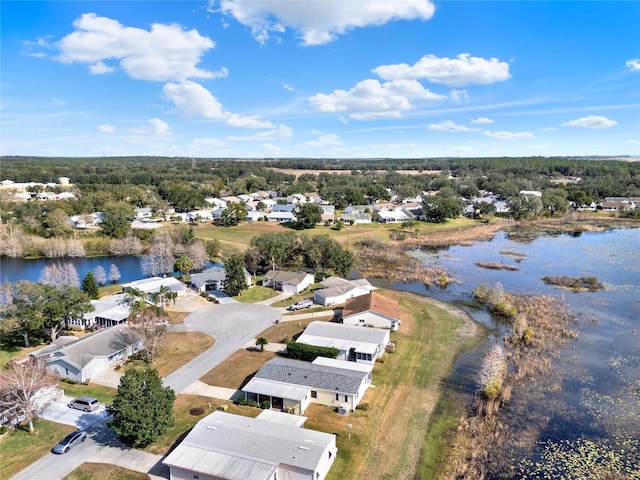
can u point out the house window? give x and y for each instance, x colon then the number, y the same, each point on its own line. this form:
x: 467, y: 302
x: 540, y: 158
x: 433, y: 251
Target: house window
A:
x: 314, y: 394
x: 196, y: 476
x: 346, y: 399
x: 362, y: 320
x: 337, y: 396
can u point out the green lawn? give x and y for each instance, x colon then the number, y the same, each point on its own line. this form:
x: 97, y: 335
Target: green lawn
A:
x: 104, y: 394
x: 19, y: 449
x: 256, y: 293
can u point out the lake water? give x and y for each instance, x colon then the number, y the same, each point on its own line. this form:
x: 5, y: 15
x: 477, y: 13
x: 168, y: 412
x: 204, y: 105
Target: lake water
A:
x: 593, y: 390
x: 14, y: 269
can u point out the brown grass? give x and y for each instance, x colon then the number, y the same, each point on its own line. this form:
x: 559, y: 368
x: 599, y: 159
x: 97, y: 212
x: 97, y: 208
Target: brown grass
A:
x: 238, y: 369
x: 180, y: 348
x: 283, y: 332
x: 103, y: 471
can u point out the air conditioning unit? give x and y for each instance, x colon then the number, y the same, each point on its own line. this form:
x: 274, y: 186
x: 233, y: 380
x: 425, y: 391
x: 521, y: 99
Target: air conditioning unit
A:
x: 343, y: 410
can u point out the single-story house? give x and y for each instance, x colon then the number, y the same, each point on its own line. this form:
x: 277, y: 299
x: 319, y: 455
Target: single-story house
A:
x: 337, y: 290
x: 107, y: 312
x: 287, y: 280
x: 199, y: 216
x: 356, y: 218
x: 213, y: 279
x: 223, y: 446
x: 359, y: 209
x: 87, y: 220
x: 90, y: 355
x: 255, y: 216
x: 392, y: 216
x: 281, y: 217
x: 151, y: 286
x: 372, y: 310
x: 291, y: 385
x: 356, y: 344
x: 216, y: 202
x: 143, y: 212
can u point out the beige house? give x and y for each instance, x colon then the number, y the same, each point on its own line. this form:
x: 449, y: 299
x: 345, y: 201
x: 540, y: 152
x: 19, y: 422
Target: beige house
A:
x: 372, y: 310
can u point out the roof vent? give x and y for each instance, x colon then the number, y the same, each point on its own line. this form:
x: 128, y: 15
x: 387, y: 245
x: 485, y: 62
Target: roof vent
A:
x: 210, y: 427
x: 302, y: 447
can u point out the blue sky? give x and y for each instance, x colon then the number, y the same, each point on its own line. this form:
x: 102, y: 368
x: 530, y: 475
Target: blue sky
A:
x: 309, y: 78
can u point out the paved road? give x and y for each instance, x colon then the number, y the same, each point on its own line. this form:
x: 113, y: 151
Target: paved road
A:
x: 232, y: 325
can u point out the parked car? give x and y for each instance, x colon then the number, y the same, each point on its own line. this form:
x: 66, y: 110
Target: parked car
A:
x: 301, y: 304
x: 86, y: 404
x: 70, y: 441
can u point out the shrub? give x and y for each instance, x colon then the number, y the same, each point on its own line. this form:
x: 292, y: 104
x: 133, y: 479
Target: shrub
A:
x: 196, y: 412
x: 266, y: 405
x: 204, y: 294
x: 302, y: 351
x: 364, y: 407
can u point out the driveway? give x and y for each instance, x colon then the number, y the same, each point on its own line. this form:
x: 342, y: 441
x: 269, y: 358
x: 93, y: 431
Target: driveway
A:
x: 60, y: 412
x: 232, y: 325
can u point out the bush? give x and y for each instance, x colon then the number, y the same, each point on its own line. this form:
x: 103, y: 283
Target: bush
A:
x: 204, y: 294
x: 308, y: 353
x: 196, y: 412
x: 266, y: 405
x: 246, y: 402
x: 364, y: 407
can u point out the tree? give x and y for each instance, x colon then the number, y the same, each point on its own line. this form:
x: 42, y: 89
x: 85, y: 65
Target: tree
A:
x: 114, y: 273
x: 24, y: 386
x: 90, y: 286
x: 234, y: 281
x: 183, y: 264
x: 100, y: 275
x: 308, y: 215
x: 115, y: 223
x: 261, y: 342
x: 233, y: 215
x: 252, y: 259
x: 60, y: 274
x: 493, y: 372
x: 56, y: 224
x: 438, y: 208
x: 142, y: 410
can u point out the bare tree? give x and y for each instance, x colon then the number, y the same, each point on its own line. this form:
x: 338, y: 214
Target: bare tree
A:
x: 60, y: 274
x: 198, y: 254
x: 75, y: 248
x: 148, y: 322
x: 129, y: 245
x: 100, y: 274
x: 160, y: 259
x: 24, y: 385
x: 54, y: 248
x: 114, y: 273
x: 493, y: 372
x: 12, y: 240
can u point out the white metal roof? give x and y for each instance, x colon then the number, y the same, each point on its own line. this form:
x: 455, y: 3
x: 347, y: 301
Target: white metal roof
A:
x: 339, y: 343
x: 276, y: 389
x: 332, y: 362
x: 240, y: 448
x: 282, y: 418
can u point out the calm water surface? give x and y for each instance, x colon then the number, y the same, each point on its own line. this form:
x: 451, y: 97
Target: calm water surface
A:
x: 597, y: 375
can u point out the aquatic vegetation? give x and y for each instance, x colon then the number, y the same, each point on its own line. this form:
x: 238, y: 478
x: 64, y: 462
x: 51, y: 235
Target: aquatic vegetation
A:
x: 584, y: 459
x: 578, y: 284
x: 497, y: 266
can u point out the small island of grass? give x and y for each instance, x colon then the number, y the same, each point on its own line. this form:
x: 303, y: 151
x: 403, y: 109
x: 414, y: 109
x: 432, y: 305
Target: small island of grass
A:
x: 575, y: 284
x: 497, y: 266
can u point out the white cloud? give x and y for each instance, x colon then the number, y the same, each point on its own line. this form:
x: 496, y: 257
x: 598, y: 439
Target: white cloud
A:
x: 324, y: 140
x: 450, y: 126
x: 164, y: 53
x: 106, y: 128
x: 482, y: 120
x: 634, y: 64
x: 371, y: 99
x: 154, y: 127
x: 100, y: 68
x: 281, y: 133
x: 591, y: 121
x: 193, y: 100
x: 503, y: 135
x: 458, y: 96
x: 320, y: 22
x: 453, y: 72
x: 288, y: 87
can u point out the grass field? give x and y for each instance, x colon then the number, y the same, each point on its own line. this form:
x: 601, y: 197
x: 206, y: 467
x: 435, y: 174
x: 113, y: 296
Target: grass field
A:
x: 20, y: 449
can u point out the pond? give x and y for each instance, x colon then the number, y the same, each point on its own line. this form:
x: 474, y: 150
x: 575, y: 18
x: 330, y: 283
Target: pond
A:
x: 594, y: 389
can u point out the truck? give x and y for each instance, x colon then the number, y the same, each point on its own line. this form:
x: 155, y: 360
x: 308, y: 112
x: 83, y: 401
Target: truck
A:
x: 302, y: 304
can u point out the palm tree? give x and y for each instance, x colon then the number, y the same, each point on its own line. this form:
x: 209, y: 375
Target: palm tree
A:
x: 261, y: 342
x: 183, y: 265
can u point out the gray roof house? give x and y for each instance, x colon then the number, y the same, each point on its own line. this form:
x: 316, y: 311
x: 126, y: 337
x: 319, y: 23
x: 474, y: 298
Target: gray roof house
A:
x: 289, y: 281
x: 224, y: 446
x: 213, y: 279
x: 107, y: 312
x: 291, y: 385
x: 356, y: 344
x: 92, y: 354
x: 337, y: 290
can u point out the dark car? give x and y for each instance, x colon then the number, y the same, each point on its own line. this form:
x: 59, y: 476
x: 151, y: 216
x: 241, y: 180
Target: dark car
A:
x: 70, y: 441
